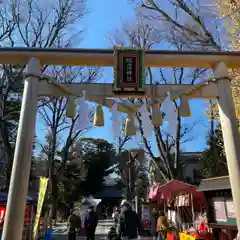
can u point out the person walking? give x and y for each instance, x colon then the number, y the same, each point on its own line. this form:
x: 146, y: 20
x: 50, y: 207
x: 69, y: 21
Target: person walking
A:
x: 129, y: 224
x: 162, y: 226
x: 115, y: 216
x: 90, y: 223
x: 154, y: 217
x: 73, y: 222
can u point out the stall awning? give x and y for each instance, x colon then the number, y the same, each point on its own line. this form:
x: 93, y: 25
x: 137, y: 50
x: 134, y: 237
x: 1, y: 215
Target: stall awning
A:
x: 211, y: 184
x: 180, y: 192
x: 172, y: 188
x: 175, y: 187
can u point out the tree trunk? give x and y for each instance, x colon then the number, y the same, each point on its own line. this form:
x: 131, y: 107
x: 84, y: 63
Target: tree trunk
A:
x: 10, y: 153
x: 212, y: 140
x: 177, y: 147
x: 130, y: 178
x: 54, y: 197
x: 51, y: 177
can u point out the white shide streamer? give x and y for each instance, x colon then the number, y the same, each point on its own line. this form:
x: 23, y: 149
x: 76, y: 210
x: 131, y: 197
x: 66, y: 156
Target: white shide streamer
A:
x: 146, y: 122
x: 116, y: 121
x: 83, y: 111
x: 169, y: 109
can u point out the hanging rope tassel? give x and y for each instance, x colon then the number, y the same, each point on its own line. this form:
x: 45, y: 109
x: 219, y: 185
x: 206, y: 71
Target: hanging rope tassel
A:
x: 98, y: 116
x: 156, y: 115
x: 130, y: 128
x: 185, y: 110
x: 70, y: 108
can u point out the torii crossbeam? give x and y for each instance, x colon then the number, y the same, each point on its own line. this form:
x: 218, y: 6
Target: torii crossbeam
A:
x: 105, y: 57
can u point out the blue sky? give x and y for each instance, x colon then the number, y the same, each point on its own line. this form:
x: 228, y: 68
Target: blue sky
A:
x: 102, y: 19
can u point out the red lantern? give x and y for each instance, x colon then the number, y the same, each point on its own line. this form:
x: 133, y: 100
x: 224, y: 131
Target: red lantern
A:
x: 2, y: 213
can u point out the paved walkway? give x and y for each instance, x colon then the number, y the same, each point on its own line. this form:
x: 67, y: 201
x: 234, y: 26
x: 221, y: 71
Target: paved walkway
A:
x: 65, y: 237
x: 60, y: 232
x: 102, y: 228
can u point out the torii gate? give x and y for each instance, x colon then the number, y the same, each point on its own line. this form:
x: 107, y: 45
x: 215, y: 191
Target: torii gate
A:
x: 221, y: 90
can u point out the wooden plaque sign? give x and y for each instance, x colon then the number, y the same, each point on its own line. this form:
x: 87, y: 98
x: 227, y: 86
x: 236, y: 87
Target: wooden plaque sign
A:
x: 129, y: 72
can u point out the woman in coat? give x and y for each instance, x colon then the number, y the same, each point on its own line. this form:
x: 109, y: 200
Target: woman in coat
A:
x: 162, y: 226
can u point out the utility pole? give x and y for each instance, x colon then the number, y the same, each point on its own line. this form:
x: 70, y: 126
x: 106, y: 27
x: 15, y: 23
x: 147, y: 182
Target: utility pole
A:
x: 18, y: 190
x: 130, y: 180
x: 131, y: 161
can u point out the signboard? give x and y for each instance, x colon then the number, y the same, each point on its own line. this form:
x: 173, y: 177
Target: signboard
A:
x: 145, y: 218
x: 230, y: 208
x: 27, y: 214
x: 129, y: 75
x: 219, y: 209
x: 185, y: 236
x: 2, y: 213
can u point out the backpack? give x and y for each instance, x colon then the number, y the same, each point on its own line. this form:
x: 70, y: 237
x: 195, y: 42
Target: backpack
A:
x: 74, y: 221
x: 162, y: 224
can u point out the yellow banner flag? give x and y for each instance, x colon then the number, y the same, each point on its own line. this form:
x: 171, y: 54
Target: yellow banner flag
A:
x: 41, y: 195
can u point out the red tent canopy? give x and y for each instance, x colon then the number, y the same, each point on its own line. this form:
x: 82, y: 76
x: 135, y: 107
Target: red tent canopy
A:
x: 172, y: 188
x: 175, y: 187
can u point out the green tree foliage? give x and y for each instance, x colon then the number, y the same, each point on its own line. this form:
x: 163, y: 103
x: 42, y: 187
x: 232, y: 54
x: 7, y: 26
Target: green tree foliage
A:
x: 132, y: 167
x: 214, y: 160
x: 68, y: 186
x: 98, y: 160
x: 85, y: 170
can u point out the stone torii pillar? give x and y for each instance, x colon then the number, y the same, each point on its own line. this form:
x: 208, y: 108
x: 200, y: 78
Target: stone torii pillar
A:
x: 18, y: 190
x: 230, y: 132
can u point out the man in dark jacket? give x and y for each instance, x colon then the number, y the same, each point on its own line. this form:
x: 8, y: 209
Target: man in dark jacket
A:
x: 129, y: 224
x: 90, y: 223
x: 73, y: 222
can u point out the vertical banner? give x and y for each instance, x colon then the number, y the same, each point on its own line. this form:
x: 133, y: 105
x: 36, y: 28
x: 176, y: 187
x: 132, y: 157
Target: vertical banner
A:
x: 2, y: 213
x: 129, y: 72
x: 41, y: 195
